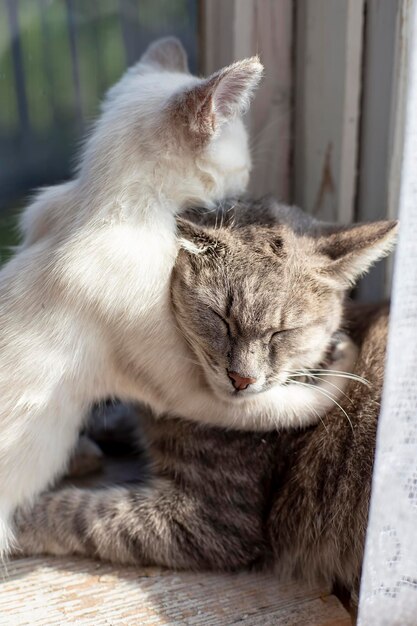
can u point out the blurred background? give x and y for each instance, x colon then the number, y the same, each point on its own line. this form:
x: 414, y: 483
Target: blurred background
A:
x: 326, y: 125
x: 57, y: 58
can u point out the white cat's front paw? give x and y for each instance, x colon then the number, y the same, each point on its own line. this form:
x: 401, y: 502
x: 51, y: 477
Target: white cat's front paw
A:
x: 343, y: 353
x: 338, y: 368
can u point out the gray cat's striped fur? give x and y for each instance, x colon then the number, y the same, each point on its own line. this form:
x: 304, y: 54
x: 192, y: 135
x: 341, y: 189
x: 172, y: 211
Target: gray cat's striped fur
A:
x: 218, y: 499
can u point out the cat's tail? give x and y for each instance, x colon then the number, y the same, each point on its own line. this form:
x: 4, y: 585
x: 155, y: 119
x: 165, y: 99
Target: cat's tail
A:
x: 156, y: 524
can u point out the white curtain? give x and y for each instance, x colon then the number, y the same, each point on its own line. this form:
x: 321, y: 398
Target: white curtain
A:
x: 389, y: 580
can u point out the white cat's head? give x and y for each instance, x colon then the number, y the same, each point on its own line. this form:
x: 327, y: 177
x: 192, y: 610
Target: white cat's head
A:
x: 173, y: 133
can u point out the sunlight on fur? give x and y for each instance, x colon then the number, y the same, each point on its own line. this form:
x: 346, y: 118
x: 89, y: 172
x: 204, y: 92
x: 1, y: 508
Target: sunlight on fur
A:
x: 85, y: 303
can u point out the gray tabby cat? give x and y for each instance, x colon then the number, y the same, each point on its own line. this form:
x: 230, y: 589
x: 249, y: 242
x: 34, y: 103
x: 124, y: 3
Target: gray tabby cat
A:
x: 272, y: 294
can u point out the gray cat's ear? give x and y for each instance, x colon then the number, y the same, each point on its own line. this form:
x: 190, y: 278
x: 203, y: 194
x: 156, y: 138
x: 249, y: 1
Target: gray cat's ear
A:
x: 167, y: 54
x: 193, y: 239
x: 203, y: 108
x: 352, y: 250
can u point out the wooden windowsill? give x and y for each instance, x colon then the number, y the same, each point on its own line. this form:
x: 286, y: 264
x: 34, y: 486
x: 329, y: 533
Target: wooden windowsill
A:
x: 59, y: 591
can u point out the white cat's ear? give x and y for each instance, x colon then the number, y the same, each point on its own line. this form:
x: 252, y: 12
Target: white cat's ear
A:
x: 204, y: 107
x: 352, y: 250
x: 231, y: 89
x: 167, y: 54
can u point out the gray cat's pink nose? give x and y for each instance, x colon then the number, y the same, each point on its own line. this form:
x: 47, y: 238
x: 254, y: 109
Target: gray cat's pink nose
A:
x: 240, y: 382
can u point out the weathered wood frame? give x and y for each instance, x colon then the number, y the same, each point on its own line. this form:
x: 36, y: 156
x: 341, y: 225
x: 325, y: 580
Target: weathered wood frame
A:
x: 329, y: 38
x: 233, y: 29
x: 327, y: 123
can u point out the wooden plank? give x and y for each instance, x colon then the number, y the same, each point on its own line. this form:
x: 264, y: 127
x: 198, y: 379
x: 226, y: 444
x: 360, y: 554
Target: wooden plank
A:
x: 386, y: 76
x: 233, y: 30
x: 401, y: 77
x: 217, y: 42
x: 401, y: 74
x: 328, y: 73
x: 47, y: 592
x: 378, y: 103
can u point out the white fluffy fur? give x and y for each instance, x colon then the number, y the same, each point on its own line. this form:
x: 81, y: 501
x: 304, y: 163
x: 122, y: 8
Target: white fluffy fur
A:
x: 85, y: 308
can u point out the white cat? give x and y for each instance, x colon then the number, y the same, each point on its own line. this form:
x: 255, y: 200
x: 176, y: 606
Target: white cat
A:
x: 84, y: 304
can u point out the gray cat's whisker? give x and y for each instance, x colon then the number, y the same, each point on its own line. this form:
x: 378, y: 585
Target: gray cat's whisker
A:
x: 325, y: 370
x: 339, y: 390
x: 317, y: 414
x: 330, y: 397
x: 332, y: 373
x: 328, y: 372
x: 308, y: 374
